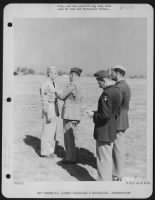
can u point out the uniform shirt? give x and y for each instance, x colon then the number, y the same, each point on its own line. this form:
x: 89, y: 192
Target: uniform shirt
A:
x: 106, y: 114
x: 47, y: 93
x: 123, y: 121
x: 71, y: 95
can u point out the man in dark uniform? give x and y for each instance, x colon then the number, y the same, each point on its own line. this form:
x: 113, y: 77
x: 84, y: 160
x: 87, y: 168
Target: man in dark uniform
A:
x: 118, y: 73
x: 71, y: 111
x: 105, y: 123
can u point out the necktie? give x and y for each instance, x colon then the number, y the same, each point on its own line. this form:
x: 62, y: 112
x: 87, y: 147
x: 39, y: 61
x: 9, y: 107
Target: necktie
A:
x: 56, y: 103
x: 53, y: 84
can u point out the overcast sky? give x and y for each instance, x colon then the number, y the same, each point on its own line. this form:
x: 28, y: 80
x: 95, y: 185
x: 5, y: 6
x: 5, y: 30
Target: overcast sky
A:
x: 91, y: 44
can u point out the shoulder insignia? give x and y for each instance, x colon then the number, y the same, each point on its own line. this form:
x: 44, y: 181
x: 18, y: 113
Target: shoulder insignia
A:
x: 105, y: 98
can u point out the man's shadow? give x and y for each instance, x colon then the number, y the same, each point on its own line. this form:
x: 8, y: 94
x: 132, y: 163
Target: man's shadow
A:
x: 84, y: 157
x: 34, y: 142
x: 74, y: 169
x: 77, y: 171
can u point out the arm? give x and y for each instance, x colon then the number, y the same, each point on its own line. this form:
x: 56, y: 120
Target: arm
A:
x: 105, y: 113
x: 44, y: 98
x: 63, y: 94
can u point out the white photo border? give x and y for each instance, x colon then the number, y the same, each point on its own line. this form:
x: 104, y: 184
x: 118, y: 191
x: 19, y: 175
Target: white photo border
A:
x: 75, y: 189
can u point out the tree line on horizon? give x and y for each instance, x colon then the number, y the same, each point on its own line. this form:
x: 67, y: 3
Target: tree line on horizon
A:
x: 30, y: 71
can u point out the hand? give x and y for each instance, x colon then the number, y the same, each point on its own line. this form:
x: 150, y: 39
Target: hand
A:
x: 90, y: 113
x: 45, y: 108
x: 51, y: 96
x: 57, y: 93
x: 50, y: 117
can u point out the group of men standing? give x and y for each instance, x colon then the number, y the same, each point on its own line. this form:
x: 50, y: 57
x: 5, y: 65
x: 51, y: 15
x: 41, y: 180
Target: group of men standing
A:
x: 110, y: 118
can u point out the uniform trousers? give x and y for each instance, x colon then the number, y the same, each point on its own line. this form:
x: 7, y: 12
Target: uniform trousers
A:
x: 48, y: 139
x: 118, y: 155
x: 104, y: 160
x: 69, y: 140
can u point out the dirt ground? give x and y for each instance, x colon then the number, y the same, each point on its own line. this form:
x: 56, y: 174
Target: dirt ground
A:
x: 29, y: 166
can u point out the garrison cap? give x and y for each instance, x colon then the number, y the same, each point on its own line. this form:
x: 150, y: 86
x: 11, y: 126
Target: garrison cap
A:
x: 76, y: 70
x: 102, y: 74
x: 118, y: 67
x: 51, y: 68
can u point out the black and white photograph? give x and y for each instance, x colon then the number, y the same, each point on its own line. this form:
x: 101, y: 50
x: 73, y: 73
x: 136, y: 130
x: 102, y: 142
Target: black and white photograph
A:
x: 77, y: 101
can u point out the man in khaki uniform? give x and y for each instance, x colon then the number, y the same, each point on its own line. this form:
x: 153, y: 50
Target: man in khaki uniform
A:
x: 118, y: 73
x: 72, y: 97
x: 50, y: 113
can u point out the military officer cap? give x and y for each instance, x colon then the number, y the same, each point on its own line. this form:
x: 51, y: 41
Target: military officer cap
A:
x: 102, y: 74
x: 118, y: 67
x: 51, y: 68
x: 76, y: 70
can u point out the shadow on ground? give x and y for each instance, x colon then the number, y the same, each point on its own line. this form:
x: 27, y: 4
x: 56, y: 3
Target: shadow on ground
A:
x: 85, y: 157
x: 79, y: 172
x: 34, y: 142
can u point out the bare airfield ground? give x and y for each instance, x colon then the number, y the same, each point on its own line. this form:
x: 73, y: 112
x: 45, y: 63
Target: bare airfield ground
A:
x: 29, y: 166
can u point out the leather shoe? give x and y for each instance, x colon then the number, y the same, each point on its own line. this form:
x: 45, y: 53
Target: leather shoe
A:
x: 68, y: 162
x: 49, y: 156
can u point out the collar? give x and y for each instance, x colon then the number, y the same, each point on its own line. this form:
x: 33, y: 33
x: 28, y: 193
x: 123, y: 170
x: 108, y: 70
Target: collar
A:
x: 51, y: 81
x: 108, y: 87
x: 120, y: 81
